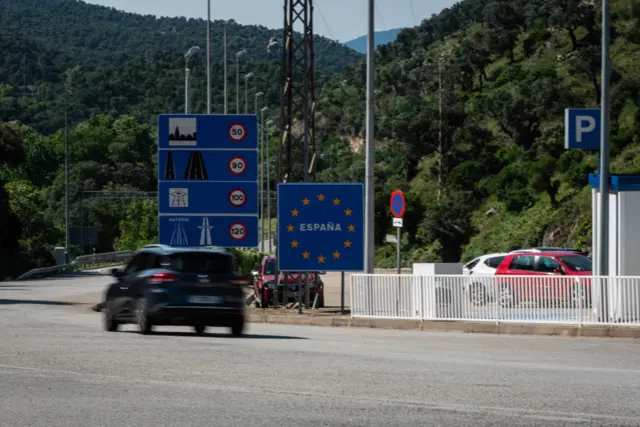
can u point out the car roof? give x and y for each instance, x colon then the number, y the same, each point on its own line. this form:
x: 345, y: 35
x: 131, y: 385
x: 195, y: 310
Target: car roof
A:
x: 548, y: 253
x: 167, y: 250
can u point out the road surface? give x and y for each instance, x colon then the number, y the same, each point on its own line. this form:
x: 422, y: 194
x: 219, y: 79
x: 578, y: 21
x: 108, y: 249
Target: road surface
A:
x: 59, y: 368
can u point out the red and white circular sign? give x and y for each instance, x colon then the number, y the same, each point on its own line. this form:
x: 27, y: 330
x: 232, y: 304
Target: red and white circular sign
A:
x: 238, y: 231
x: 237, y: 165
x: 237, y: 132
x: 237, y: 197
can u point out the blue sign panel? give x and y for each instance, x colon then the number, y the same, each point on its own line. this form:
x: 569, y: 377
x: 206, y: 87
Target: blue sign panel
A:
x: 582, y: 128
x: 320, y: 227
x: 214, y: 230
x: 208, y: 180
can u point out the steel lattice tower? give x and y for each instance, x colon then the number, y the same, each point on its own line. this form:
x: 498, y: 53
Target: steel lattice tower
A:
x: 298, y: 95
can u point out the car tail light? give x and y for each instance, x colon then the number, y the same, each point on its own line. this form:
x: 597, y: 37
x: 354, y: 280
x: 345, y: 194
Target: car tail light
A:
x: 158, y: 278
x: 239, y: 280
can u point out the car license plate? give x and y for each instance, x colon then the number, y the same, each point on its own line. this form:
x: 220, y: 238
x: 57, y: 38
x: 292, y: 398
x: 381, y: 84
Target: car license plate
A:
x: 204, y: 299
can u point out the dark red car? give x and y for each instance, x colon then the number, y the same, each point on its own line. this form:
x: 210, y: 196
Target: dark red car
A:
x: 265, y: 283
x: 548, y: 276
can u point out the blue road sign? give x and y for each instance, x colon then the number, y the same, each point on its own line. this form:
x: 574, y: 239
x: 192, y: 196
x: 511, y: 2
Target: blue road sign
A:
x: 397, y: 204
x: 582, y: 128
x: 320, y: 227
x: 208, y: 180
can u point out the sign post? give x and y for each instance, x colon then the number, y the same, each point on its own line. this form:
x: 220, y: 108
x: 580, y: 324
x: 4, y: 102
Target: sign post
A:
x: 398, y: 206
x: 208, y: 180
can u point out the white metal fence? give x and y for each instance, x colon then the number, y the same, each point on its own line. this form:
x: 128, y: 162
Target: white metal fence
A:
x: 530, y: 299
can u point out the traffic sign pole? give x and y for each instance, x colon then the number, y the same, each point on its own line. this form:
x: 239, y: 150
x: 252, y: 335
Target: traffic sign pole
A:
x: 398, y: 205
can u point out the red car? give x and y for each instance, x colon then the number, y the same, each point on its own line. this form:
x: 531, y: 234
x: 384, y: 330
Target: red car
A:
x: 552, y: 276
x: 265, y: 283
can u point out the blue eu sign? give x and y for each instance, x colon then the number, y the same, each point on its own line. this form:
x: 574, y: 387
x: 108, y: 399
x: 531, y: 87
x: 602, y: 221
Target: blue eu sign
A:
x: 582, y: 128
x: 320, y: 227
x: 208, y: 180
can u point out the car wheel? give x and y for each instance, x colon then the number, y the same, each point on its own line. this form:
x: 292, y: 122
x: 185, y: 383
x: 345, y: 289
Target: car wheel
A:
x: 505, y: 297
x: 237, y: 328
x: 110, y: 323
x: 142, y: 318
x: 320, y: 302
x: 477, y: 294
x: 199, y: 329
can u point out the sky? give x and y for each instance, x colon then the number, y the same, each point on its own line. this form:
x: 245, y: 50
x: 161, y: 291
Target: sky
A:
x: 341, y: 20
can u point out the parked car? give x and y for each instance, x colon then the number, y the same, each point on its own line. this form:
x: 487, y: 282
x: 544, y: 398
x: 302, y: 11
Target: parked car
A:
x: 559, y: 276
x: 481, y: 291
x: 172, y: 286
x: 264, y: 284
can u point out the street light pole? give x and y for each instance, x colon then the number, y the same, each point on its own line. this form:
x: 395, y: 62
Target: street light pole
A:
x: 265, y: 161
x: 66, y: 174
x: 603, y: 218
x: 261, y: 197
x: 369, y: 237
x: 246, y: 92
x: 238, y: 55
x: 225, y: 69
x: 187, y: 76
x: 208, y: 56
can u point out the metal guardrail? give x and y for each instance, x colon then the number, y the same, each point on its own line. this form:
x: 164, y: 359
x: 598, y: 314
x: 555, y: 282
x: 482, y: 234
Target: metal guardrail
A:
x: 82, y: 260
x: 573, y: 300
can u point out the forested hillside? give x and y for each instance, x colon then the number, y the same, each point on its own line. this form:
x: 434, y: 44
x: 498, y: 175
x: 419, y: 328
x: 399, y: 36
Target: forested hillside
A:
x: 485, y: 172
x: 499, y: 178
x: 127, y: 63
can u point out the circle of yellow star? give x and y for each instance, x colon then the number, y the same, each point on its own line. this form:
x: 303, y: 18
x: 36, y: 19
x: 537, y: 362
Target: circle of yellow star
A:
x: 306, y: 201
x: 347, y: 244
x: 295, y: 212
x: 295, y: 244
x: 305, y: 255
x: 320, y: 197
x: 336, y: 201
x: 348, y: 212
x: 321, y: 259
x: 336, y: 254
x: 290, y: 228
x: 351, y: 228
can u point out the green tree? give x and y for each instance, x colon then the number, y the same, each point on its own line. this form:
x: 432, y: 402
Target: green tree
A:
x: 140, y: 225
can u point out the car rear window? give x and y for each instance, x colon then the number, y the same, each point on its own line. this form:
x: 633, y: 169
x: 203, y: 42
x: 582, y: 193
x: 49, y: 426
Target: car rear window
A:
x: 494, y: 262
x: 270, y: 267
x: 577, y: 262
x: 202, y: 263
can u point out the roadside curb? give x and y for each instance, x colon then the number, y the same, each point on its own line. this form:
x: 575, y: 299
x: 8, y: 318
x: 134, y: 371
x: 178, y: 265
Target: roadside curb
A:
x: 587, y: 331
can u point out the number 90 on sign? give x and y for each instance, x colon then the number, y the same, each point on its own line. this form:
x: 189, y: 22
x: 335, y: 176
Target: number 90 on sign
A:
x: 238, y: 231
x: 237, y: 197
x: 237, y: 165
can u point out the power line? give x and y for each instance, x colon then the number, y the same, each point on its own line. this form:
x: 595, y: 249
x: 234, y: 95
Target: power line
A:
x: 413, y: 12
x: 325, y: 22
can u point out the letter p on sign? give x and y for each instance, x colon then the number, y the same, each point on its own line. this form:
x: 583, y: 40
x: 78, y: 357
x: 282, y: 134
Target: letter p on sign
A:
x: 584, y: 124
x: 582, y: 128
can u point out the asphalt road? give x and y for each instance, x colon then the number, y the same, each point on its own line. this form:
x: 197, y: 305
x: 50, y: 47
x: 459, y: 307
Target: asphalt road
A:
x: 59, y: 368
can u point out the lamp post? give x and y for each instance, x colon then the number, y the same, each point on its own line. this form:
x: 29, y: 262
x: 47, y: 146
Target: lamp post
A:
x: 187, y: 75
x: 369, y: 238
x: 258, y: 95
x: 238, y: 55
x: 246, y: 92
x: 208, y: 56
x: 67, y: 224
x: 266, y: 161
x: 261, y: 179
x: 225, y: 69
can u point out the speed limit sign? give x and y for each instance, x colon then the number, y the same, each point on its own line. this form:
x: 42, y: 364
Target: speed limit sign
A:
x: 237, y: 132
x: 238, y: 231
x: 237, y: 165
x: 237, y: 197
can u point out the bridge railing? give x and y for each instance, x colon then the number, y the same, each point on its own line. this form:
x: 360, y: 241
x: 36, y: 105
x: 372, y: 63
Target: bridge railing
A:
x: 79, y: 262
